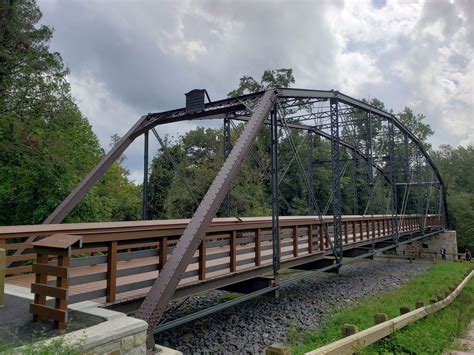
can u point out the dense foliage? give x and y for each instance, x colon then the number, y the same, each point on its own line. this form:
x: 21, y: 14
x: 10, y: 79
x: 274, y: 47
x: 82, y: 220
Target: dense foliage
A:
x: 46, y: 145
x: 457, y: 168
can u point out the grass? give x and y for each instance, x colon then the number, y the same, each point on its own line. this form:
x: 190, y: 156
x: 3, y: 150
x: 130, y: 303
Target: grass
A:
x: 433, y: 334
x: 38, y: 347
x: 430, y: 284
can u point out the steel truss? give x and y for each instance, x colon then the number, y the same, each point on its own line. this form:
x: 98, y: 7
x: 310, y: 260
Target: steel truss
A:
x: 355, y: 132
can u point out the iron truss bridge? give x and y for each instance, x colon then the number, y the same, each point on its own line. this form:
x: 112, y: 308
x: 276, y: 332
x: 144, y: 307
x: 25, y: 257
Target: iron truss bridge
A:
x: 143, y: 265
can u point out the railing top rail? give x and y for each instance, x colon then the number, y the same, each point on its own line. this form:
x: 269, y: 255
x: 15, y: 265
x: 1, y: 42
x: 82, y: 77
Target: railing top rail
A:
x: 136, y: 226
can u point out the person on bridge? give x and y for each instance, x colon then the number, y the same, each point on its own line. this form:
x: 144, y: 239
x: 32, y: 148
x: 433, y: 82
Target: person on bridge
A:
x: 467, y: 255
x: 443, y: 253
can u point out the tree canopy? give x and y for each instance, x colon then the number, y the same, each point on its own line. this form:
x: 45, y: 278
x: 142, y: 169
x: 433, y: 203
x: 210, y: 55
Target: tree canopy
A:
x: 46, y: 145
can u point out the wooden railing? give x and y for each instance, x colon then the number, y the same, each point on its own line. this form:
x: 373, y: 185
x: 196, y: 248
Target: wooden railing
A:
x: 120, y: 260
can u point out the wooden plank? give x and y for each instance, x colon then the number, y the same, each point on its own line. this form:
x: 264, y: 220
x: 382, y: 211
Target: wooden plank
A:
x: 258, y: 251
x: 49, y: 291
x: 233, y: 253
x: 295, y: 241
x: 46, y: 312
x: 111, y: 272
x: 62, y: 283
x: 40, y: 279
x: 202, y: 260
x: 310, y: 239
x: 163, y: 252
x: 52, y: 270
x: 58, y: 241
x: 354, y: 238
x: 346, y: 233
x: 17, y: 269
x: 321, y: 238
x: 22, y: 257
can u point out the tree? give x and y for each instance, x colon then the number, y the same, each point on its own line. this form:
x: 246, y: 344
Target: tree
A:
x: 276, y: 78
x: 46, y: 145
x: 456, y: 166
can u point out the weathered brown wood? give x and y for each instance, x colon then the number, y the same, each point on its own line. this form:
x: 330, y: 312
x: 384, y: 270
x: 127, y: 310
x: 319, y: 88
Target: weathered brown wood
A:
x: 354, y: 237
x: 40, y: 279
x: 49, y: 291
x: 62, y: 283
x: 257, y: 247
x: 373, y: 228
x: 51, y: 270
x: 321, y: 238
x: 163, y: 252
x: 361, y: 223
x: 202, y: 260
x: 346, y: 233
x: 111, y: 272
x: 58, y: 241
x: 233, y: 251
x: 46, y: 312
x: 295, y: 241
x: 310, y: 239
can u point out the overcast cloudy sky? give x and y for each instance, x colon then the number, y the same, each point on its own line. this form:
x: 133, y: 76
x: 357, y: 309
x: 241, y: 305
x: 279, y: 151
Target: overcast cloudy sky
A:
x: 128, y: 58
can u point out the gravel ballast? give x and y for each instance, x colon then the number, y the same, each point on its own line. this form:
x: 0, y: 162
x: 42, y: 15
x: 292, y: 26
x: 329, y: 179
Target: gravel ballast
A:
x: 251, y: 326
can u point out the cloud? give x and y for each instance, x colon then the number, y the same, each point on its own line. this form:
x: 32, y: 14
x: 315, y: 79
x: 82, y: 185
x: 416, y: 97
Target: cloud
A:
x: 130, y: 58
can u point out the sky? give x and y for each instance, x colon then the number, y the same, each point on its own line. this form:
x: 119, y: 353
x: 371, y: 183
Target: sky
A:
x: 128, y: 58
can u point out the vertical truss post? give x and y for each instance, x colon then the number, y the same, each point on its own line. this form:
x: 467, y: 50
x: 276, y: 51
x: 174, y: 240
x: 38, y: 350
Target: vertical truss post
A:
x: 311, y: 209
x: 393, y: 179
x: 368, y: 149
x: 407, y: 158
x: 336, y: 180
x: 275, y: 207
x: 145, y: 176
x: 355, y: 190
x: 227, y: 148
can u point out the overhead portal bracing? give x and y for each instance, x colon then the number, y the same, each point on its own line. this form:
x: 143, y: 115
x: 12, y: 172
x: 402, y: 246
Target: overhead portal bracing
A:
x: 398, y: 176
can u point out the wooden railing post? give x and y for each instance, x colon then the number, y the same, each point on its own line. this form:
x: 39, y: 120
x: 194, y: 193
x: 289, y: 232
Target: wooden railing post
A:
x: 295, y: 241
x: 3, y: 266
x: 202, y: 260
x: 110, y: 292
x: 321, y: 237
x: 60, y: 246
x: 257, y: 247
x: 354, y: 237
x: 310, y: 239
x: 346, y: 233
x: 233, y: 251
x: 163, y: 252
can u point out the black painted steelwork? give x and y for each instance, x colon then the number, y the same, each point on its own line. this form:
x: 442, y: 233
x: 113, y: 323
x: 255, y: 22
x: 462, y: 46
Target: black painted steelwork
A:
x: 227, y: 148
x: 145, y: 177
x: 336, y: 180
x: 275, y: 193
x: 393, y: 180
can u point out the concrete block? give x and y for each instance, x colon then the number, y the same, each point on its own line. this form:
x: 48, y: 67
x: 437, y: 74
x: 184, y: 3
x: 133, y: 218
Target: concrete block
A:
x: 140, y: 338
x: 141, y: 350
x: 107, y: 314
x: 163, y: 350
x: 107, y: 348
x: 277, y: 349
x: 127, y: 343
x: 348, y: 329
x: 380, y: 318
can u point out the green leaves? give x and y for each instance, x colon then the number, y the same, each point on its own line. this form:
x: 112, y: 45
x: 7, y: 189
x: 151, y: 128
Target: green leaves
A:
x: 46, y: 145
